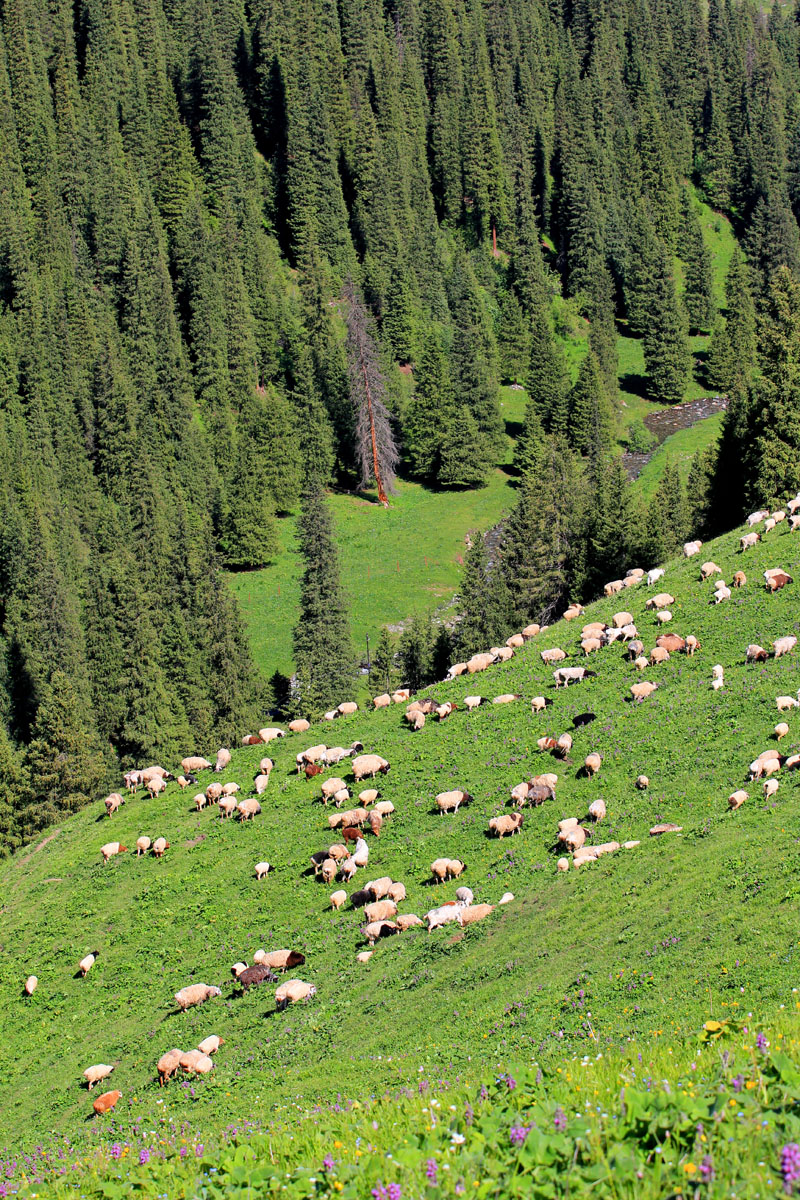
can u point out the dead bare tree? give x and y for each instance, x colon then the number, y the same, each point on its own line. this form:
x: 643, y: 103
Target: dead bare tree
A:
x: 376, y: 449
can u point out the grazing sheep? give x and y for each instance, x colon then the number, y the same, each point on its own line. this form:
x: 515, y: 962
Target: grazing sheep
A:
x: 195, y: 993
x: 757, y: 517
x: 708, y: 569
x: 369, y: 765
x: 663, y: 616
x: 748, y: 541
x: 364, y: 956
x: 154, y: 772
x: 443, y: 711
x: 223, y: 759
x: 592, y: 764
x: 739, y: 579
x: 230, y: 789
x: 292, y: 992
x: 329, y: 870
x: 334, y: 755
x: 407, y: 921
x: 737, y: 799
x: 775, y: 580
x: 330, y: 787
x: 770, y: 788
x: 575, y: 838
x: 279, y: 960
x: 300, y: 725
x: 443, y: 916
x: 692, y: 645
x: 112, y: 802
x: 546, y: 743
x: 658, y: 655
x: 784, y: 645
x: 361, y: 853
x: 338, y: 851
x: 143, y: 844
x: 31, y: 984
x: 553, y: 656
x: 538, y: 792
x: 781, y: 730
x: 132, y: 780
x: 227, y: 807
x: 769, y: 525
x: 450, y: 801
x: 378, y: 888
x: 252, y: 739
x: 382, y: 701
x: 563, y: 864
x: 563, y: 746
x: 375, y: 823
x: 110, y: 849
x: 792, y: 762
x: 501, y: 653
x: 211, y: 1044
x: 565, y: 825
x: 183, y: 782
x: 374, y: 930
x: 194, y: 763
x: 380, y: 910
x: 397, y: 892
x: 539, y: 704
x: 654, y: 575
x: 510, y: 823
x: 621, y: 619
x: 642, y: 783
x: 168, y: 1064
x: 262, y: 869
x: 691, y: 548
x: 159, y: 846
x: 594, y: 629
x: 106, y: 1102
x: 636, y: 649
x: 347, y: 869
x: 721, y: 594
x: 662, y: 600
x: 156, y: 785
x: 597, y: 810
x: 385, y: 808
x: 590, y: 645
x: 312, y: 755
x: 260, y: 783
x: 248, y: 808
x: 347, y: 708
x: 507, y: 698
x: 479, y: 662
x: 473, y: 702
x: 794, y: 524
x: 456, y: 670
x: 611, y: 589
x: 94, y: 1074
x: 401, y: 695
x: 464, y: 895
x: 269, y: 735
x: 338, y: 899
x: 641, y: 691
x: 785, y: 702
x: 447, y: 868
x: 567, y: 675
x: 572, y: 612
x: 213, y: 792
x: 368, y: 796
x: 265, y: 766
x: 248, y: 977
x: 475, y: 912
x: 755, y: 653
x: 516, y: 641
x: 641, y: 663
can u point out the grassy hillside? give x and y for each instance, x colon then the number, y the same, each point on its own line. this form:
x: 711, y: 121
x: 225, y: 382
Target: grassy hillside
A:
x: 649, y: 942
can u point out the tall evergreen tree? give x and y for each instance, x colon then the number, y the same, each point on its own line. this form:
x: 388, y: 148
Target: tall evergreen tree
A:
x: 732, y: 354
x: 666, y: 347
x: 483, y: 603
x: 323, y: 652
x: 698, y: 281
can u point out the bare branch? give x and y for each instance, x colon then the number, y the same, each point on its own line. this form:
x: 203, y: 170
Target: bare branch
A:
x: 376, y: 449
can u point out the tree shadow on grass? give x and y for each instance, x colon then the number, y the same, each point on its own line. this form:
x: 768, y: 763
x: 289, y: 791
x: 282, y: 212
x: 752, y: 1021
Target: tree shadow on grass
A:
x: 634, y: 383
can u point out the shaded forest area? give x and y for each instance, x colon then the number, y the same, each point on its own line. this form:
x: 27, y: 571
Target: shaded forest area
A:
x: 187, y: 190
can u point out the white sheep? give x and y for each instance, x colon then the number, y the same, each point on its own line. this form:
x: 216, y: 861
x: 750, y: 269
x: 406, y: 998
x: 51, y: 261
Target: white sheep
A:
x: 262, y: 869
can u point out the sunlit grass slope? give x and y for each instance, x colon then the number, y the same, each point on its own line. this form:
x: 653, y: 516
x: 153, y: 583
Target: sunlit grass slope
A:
x: 653, y: 937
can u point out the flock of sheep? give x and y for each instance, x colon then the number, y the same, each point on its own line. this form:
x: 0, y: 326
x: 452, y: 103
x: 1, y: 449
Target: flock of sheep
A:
x: 380, y: 898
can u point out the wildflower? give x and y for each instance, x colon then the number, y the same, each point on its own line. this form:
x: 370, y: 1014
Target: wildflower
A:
x: 539, y: 1076
x: 198, y: 1150
x: 790, y: 1166
x: 144, y: 1156
x: 511, y: 1082
x: 738, y: 1082
x: 690, y: 1168
x: 518, y: 1134
x: 469, y: 1114
x: 183, y: 1152
x: 394, y: 1191
x: 707, y: 1169
x: 337, y: 1185
x: 379, y: 1192
x: 484, y: 1092
x: 458, y: 1139
x: 431, y: 1171
x: 116, y: 1150
x: 761, y: 1042
x: 559, y: 1120
x: 328, y: 1162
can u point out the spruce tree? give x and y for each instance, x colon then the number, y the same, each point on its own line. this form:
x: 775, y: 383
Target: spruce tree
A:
x: 732, y: 355
x: 416, y: 652
x: 63, y: 758
x: 483, y: 603
x: 591, y: 419
x: 665, y: 342
x: 698, y: 279
x: 383, y: 674
x: 323, y: 652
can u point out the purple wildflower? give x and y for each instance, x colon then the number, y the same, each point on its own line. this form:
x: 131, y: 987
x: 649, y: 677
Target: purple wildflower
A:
x: 761, y: 1042
x: 790, y: 1166
x: 198, y: 1150
x: 707, y: 1171
x: 539, y: 1076
x: 431, y: 1171
x: 559, y: 1120
x: 183, y: 1152
x: 737, y: 1082
x: 518, y: 1134
x: 484, y: 1092
x: 394, y: 1191
x: 3, y: 1190
x: 379, y: 1192
x: 328, y: 1162
x: 116, y: 1150
x: 469, y: 1114
x: 511, y: 1082
x: 144, y: 1156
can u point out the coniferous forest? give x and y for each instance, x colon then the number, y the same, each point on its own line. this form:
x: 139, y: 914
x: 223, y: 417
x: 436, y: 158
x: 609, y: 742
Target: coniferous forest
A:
x: 209, y: 208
